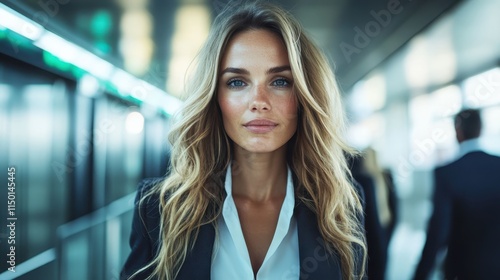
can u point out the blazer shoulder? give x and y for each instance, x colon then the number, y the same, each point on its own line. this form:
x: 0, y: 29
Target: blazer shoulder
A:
x: 468, y: 160
x: 147, y: 184
x: 144, y: 189
x: 145, y: 231
x: 494, y: 157
x: 359, y: 189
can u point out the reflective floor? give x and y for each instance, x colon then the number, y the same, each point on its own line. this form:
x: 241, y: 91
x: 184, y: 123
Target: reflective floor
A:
x: 409, y: 237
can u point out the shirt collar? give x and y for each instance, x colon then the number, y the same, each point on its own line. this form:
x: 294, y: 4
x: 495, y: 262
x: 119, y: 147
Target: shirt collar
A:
x: 468, y: 146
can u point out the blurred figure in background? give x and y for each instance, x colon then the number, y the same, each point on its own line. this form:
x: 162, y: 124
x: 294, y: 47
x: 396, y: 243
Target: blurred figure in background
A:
x: 381, y: 213
x: 466, y: 216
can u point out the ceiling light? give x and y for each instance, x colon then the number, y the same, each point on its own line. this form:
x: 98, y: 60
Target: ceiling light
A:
x: 19, y: 23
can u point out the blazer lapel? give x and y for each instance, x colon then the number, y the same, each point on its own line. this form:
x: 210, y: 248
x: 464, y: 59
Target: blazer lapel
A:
x: 315, y: 261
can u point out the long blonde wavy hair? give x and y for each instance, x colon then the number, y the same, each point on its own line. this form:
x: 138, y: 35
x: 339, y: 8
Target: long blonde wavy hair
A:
x: 193, y: 193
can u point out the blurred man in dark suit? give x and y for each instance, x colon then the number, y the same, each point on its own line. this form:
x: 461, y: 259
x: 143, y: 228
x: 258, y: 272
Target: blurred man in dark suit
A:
x: 466, y: 217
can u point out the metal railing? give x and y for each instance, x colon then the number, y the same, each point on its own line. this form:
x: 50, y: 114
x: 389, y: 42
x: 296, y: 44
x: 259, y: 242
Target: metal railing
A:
x: 91, y: 247
x: 30, y: 265
x: 95, y: 246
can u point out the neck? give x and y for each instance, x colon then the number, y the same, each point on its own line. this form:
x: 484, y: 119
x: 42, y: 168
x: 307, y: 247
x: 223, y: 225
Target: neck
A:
x: 259, y: 176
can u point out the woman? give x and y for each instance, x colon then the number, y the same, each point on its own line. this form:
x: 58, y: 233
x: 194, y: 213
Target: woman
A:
x: 380, y: 207
x: 259, y: 187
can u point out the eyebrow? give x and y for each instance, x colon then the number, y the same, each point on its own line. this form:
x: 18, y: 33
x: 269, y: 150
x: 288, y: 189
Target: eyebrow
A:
x: 243, y: 71
x: 235, y: 71
x: 279, y: 69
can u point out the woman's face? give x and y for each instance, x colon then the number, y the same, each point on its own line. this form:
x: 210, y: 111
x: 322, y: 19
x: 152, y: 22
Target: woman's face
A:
x: 255, y: 92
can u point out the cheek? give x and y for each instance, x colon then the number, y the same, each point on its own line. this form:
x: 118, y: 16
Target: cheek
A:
x: 229, y: 108
x: 289, y: 108
x: 224, y: 107
x: 224, y: 104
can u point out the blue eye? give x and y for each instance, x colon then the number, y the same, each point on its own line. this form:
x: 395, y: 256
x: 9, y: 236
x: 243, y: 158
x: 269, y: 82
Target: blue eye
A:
x: 281, y: 82
x: 235, y: 83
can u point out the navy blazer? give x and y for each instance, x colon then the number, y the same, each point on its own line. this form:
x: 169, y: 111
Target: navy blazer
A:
x: 376, y: 240
x: 315, y: 262
x: 466, y: 218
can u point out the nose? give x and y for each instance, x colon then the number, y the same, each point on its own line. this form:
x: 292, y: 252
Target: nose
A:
x: 260, y: 99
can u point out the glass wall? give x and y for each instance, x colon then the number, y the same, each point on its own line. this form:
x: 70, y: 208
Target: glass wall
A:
x: 34, y: 130
x: 75, y: 150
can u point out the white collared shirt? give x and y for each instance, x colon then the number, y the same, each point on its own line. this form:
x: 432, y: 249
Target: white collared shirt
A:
x: 231, y: 259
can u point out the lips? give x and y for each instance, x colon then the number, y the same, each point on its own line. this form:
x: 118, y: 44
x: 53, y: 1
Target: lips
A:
x: 260, y: 126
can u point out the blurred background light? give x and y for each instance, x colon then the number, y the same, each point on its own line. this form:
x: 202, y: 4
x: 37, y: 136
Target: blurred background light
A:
x: 167, y: 103
x: 446, y: 101
x: 491, y: 129
x: 134, y: 123
x: 94, y: 65
x: 483, y: 89
x: 442, y: 56
x: 88, y: 85
x: 136, y: 45
x: 123, y: 81
x: 416, y: 63
x: 101, y: 23
x: 367, y: 132
x: 133, y: 4
x: 190, y: 31
x: 368, y: 95
x: 431, y: 58
x: 418, y: 110
x: 75, y: 55
x: 58, y: 46
x: 19, y: 23
x: 101, y: 27
x: 136, y: 26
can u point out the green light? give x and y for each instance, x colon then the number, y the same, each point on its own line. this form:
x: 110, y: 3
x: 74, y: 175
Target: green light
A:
x: 101, y: 24
x: 3, y: 32
x: 15, y: 39
x: 77, y: 72
x: 55, y: 62
x: 103, y: 46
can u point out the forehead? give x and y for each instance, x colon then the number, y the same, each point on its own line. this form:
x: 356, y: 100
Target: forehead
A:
x: 255, y: 48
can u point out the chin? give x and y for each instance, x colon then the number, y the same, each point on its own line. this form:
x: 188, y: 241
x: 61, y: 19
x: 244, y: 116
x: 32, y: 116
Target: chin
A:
x: 260, y: 151
x: 261, y: 147
x: 257, y: 149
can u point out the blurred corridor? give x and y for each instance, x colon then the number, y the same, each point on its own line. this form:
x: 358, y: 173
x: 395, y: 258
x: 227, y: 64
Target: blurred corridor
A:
x: 88, y: 90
